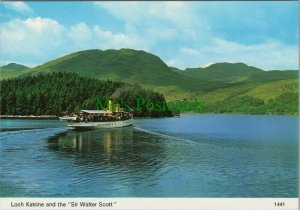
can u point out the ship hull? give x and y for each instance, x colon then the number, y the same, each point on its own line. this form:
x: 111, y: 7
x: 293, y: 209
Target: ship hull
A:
x: 95, y: 125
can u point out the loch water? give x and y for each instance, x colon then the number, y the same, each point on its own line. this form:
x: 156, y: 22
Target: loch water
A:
x: 191, y: 156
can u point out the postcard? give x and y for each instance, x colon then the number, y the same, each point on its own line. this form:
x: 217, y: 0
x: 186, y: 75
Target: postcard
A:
x: 149, y: 105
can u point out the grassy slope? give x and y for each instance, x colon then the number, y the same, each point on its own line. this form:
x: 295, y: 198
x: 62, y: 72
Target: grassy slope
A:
x: 268, y: 76
x: 130, y: 66
x: 209, y: 84
x: 238, y: 72
x: 12, y: 70
x: 229, y: 72
x: 264, y: 91
x: 246, y: 81
x: 176, y: 70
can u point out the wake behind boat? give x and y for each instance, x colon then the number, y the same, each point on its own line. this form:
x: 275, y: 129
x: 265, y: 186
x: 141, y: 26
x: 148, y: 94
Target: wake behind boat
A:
x: 92, y: 119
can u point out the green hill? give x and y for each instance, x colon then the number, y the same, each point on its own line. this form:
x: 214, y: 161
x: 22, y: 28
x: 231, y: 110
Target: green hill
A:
x: 228, y: 72
x: 238, y: 72
x: 235, y: 86
x: 14, y: 67
x: 131, y: 66
x: 177, y: 70
x: 274, y: 75
x: 12, y: 70
x: 228, y: 100
x: 63, y: 93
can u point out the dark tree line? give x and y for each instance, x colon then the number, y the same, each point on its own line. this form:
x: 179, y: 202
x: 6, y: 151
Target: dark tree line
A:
x: 63, y: 93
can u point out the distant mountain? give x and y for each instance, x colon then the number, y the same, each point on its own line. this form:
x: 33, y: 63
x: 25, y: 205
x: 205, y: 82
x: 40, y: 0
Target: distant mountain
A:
x: 14, y: 67
x: 177, y: 70
x: 274, y: 75
x: 229, y: 72
x: 148, y: 70
x: 127, y: 65
x: 12, y: 70
x: 237, y: 72
x: 216, y: 84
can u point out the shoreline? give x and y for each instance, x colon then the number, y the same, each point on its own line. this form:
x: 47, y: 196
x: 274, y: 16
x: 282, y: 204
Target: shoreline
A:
x: 33, y: 117
x: 54, y: 117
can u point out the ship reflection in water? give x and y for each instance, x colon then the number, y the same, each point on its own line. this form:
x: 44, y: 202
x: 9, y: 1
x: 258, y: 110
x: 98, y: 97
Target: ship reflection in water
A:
x: 118, y: 159
x: 111, y: 144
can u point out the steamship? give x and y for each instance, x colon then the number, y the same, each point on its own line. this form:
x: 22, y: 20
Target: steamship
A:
x: 92, y: 119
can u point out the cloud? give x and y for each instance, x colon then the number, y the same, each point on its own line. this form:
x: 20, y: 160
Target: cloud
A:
x: 84, y: 37
x: 177, y: 63
x: 108, y: 39
x: 190, y: 51
x: 242, y: 22
x: 200, y: 33
x: 183, y: 34
x: 80, y: 32
x: 269, y: 55
x: 32, y: 37
x: 40, y: 39
x: 177, y: 16
x: 138, y: 12
x: 20, y: 7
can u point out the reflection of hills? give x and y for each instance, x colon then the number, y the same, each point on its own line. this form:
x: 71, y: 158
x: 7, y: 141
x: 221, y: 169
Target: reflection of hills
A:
x: 122, y: 149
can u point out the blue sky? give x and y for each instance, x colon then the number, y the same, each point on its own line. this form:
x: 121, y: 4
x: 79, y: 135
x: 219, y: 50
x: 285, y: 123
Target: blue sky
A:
x: 182, y: 34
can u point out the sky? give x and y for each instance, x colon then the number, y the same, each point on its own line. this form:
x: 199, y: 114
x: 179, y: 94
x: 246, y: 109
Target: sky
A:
x: 182, y: 34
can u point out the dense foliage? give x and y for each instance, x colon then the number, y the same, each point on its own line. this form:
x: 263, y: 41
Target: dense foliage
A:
x: 212, y: 83
x: 223, y: 87
x: 287, y: 103
x: 63, y: 93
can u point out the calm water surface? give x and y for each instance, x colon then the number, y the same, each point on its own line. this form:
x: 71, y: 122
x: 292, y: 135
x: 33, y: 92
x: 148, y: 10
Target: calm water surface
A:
x: 190, y: 156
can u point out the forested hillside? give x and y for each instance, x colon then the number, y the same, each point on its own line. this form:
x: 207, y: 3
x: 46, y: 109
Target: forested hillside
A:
x: 64, y: 93
x: 223, y: 87
x: 126, y: 65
